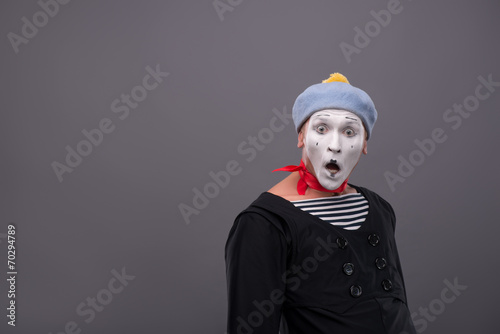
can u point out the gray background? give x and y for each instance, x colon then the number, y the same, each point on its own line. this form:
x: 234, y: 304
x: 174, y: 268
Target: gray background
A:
x: 120, y: 207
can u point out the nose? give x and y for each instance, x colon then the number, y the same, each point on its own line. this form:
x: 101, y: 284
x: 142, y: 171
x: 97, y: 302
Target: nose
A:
x: 334, y: 145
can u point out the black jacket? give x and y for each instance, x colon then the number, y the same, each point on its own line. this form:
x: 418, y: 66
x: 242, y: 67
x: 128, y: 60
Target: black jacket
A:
x: 284, y: 264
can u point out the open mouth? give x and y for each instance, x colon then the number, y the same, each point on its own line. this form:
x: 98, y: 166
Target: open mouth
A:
x: 332, y: 167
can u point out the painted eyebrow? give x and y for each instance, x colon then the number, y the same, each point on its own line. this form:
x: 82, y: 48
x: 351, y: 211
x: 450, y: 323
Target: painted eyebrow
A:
x: 350, y: 119
x: 318, y: 117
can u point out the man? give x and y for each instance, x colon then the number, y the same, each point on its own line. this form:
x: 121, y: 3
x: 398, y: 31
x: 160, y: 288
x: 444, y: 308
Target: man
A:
x: 315, y: 254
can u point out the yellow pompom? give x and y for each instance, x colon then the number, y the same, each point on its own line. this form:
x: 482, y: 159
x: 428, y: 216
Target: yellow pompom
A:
x: 336, y: 77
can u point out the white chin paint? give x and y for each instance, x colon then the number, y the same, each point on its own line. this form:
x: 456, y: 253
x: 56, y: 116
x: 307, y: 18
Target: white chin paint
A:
x: 333, y: 144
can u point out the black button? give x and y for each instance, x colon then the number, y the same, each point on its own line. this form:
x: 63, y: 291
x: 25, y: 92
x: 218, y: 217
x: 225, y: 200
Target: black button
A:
x: 380, y: 262
x: 348, y: 268
x: 387, y: 284
x: 373, y: 239
x: 341, y: 242
x: 356, y: 291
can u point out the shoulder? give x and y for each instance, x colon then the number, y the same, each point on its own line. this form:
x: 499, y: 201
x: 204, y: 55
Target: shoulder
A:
x: 383, y: 206
x: 374, y: 198
x: 370, y: 193
x: 256, y: 230
x: 263, y: 210
x: 264, y: 216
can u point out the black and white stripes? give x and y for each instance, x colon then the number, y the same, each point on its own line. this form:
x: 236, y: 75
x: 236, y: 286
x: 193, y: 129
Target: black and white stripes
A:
x: 346, y: 211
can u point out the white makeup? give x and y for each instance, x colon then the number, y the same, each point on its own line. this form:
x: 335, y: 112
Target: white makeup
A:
x: 333, y: 144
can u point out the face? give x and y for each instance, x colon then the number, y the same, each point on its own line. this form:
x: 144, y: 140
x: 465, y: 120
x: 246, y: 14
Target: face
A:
x: 333, y: 141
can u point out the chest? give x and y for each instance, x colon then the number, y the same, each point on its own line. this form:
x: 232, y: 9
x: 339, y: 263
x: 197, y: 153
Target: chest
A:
x: 332, y: 267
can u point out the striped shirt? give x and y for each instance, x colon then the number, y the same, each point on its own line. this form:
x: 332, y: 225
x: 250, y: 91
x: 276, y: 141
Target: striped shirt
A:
x: 347, y: 211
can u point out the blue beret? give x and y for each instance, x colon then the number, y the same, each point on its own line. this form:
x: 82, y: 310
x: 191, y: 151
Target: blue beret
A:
x: 334, y: 95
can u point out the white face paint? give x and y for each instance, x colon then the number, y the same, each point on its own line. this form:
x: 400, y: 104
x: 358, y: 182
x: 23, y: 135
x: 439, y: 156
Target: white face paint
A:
x: 333, y: 144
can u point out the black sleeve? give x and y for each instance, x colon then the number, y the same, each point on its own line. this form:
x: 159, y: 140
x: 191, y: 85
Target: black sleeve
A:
x: 398, y: 261
x: 256, y: 257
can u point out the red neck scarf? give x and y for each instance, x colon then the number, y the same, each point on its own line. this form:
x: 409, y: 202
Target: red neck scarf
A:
x: 309, y: 180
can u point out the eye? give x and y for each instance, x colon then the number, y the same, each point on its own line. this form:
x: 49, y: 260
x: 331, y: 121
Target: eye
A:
x: 321, y: 129
x: 349, y: 132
